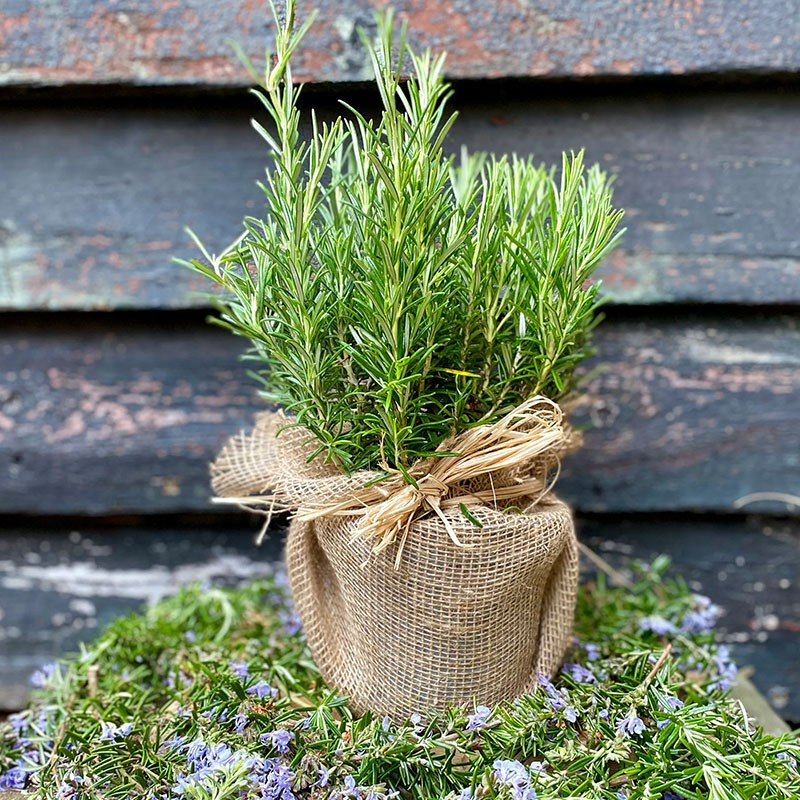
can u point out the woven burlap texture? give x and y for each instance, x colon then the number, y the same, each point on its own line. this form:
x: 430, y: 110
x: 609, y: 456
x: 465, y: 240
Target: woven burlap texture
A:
x: 447, y: 625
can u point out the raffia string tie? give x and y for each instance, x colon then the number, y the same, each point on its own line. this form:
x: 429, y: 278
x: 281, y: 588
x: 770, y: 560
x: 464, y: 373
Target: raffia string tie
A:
x: 526, y: 443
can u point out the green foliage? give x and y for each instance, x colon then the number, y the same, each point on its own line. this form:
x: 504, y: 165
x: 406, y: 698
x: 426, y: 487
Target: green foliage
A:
x: 609, y: 726
x: 394, y: 295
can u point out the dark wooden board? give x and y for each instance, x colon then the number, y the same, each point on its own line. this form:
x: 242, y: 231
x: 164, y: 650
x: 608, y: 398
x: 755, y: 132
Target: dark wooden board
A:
x: 101, y: 416
x: 153, y: 42
x: 58, y: 587
x: 707, y: 180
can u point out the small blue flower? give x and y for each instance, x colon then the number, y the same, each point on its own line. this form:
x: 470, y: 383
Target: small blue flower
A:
x: 109, y: 731
x: 592, y: 652
x: 15, y: 778
x: 416, y: 722
x: 630, y: 725
x: 262, y: 689
x: 240, y: 723
x: 789, y: 759
x: 510, y: 772
x: 175, y: 743
x: 656, y: 624
x: 41, y: 676
x: 579, y: 673
x: 239, y: 669
x: 479, y: 719
x: 569, y: 714
x: 703, y: 618
x: 279, y: 739
x: 290, y: 619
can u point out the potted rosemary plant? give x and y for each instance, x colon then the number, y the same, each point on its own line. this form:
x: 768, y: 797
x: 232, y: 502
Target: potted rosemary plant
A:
x: 418, y: 318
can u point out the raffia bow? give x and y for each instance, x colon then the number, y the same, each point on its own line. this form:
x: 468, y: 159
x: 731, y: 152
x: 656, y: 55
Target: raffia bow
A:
x: 525, y: 443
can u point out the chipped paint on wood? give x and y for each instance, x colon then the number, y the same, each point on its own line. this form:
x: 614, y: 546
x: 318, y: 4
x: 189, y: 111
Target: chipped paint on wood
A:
x: 698, y: 176
x: 114, y: 417
x: 151, y: 42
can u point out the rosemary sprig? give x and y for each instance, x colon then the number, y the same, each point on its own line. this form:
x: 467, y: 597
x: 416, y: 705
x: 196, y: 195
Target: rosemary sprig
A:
x: 394, y: 295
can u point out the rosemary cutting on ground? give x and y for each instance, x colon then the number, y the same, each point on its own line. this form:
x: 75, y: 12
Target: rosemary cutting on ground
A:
x: 395, y: 295
x: 212, y: 695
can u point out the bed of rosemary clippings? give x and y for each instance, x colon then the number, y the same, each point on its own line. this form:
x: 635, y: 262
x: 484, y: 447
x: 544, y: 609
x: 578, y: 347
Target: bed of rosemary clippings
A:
x: 212, y: 694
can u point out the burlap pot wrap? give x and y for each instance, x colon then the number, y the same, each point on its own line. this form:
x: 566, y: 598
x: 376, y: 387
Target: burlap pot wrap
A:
x: 445, y: 623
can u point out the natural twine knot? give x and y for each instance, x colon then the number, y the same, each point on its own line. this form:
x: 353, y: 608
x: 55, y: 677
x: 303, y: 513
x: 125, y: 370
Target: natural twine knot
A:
x: 516, y: 444
x: 502, y: 461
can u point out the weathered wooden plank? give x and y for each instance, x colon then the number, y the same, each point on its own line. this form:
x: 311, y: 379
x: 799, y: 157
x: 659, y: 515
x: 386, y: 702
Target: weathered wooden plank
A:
x: 147, y: 42
x: 100, y: 417
x: 698, y: 174
x: 57, y: 587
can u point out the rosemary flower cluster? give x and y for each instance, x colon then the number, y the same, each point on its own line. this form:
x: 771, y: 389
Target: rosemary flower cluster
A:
x: 208, y: 696
x: 394, y: 295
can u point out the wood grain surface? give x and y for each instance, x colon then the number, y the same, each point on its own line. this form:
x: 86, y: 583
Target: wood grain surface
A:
x: 156, y: 42
x: 58, y: 586
x: 706, y: 180
x: 120, y: 415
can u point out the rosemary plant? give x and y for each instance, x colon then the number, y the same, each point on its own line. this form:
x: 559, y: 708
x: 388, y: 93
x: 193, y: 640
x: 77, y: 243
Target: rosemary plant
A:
x: 394, y: 294
x: 212, y: 695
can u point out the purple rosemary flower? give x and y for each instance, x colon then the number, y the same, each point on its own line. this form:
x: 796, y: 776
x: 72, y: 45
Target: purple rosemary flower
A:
x: 569, y: 714
x: 670, y: 795
x: 479, y: 719
x: 278, y: 783
x: 240, y: 723
x: 668, y: 704
x: 19, y: 722
x: 323, y: 776
x: 239, y: 669
x: 385, y: 723
x: 656, y: 624
x: 703, y: 618
x: 416, y: 722
x: 42, y: 675
x: 510, y: 772
x: 15, y: 778
x: 465, y: 794
x: 592, y: 652
x: 516, y: 777
x: 279, y: 739
x: 789, y: 759
x: 109, y: 731
x: 556, y: 698
x: 579, y: 673
x: 630, y: 725
x: 725, y: 670
x: 290, y: 620
x: 175, y: 743
x: 262, y: 689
